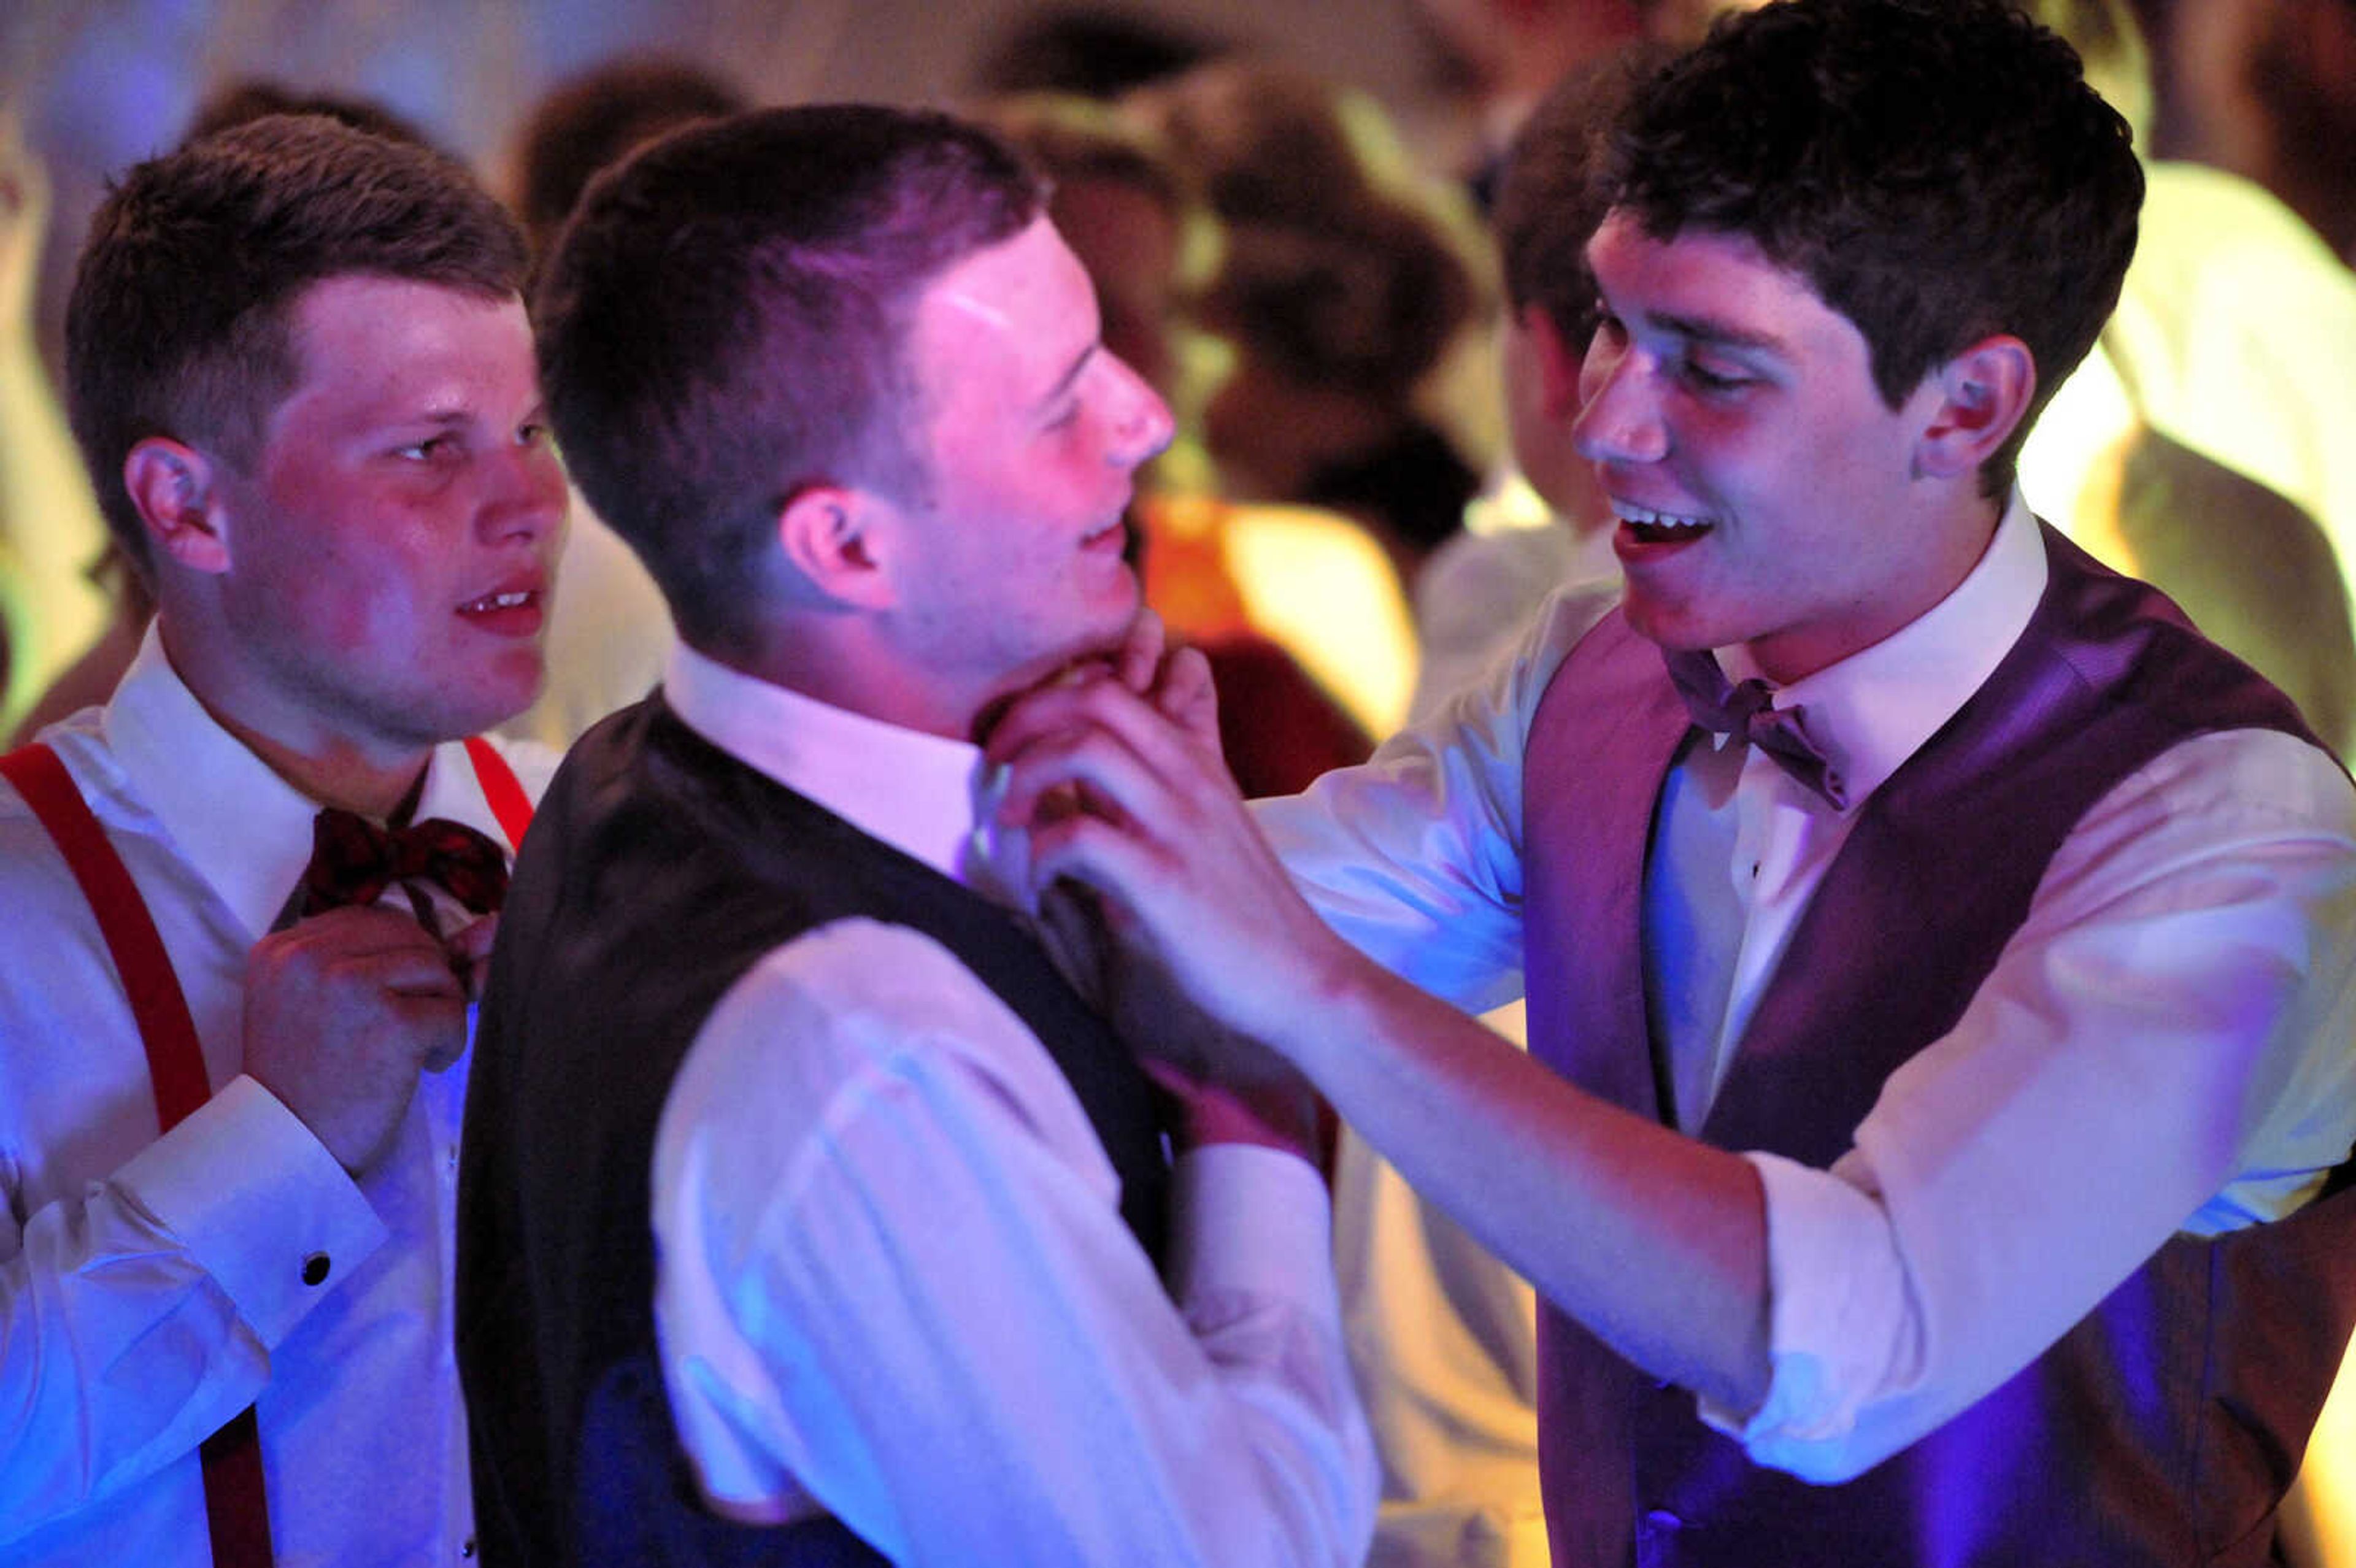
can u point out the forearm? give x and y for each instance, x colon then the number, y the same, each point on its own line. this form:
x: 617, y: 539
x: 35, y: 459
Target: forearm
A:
x: 1656, y: 1242
x: 139, y: 1314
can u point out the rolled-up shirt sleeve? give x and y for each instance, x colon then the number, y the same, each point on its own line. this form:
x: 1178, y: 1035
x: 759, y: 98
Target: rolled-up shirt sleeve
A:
x: 2164, y: 1047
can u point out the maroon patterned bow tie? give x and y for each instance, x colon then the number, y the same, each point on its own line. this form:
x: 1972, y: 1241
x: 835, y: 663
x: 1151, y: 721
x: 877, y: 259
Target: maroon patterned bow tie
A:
x: 1748, y: 710
x: 354, y: 861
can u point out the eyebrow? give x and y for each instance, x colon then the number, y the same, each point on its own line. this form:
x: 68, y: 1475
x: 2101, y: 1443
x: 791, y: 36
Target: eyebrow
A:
x: 1716, y: 334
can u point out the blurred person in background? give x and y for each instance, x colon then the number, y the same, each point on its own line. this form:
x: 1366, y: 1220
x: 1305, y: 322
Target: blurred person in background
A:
x: 1498, y: 57
x: 1443, y: 1335
x: 609, y: 630
x: 1097, y: 52
x: 2217, y: 390
x: 2265, y: 89
x: 51, y: 607
x: 1352, y: 296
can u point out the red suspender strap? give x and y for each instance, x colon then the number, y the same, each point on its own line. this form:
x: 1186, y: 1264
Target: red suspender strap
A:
x: 235, y: 1510
x: 174, y: 1058
x: 501, y: 790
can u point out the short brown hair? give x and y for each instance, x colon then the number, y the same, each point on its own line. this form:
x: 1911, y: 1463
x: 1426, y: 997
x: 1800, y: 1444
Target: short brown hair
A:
x: 723, y: 323
x: 181, y: 319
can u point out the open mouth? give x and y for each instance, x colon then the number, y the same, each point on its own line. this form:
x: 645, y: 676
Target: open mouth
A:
x: 506, y: 611
x: 515, y: 599
x: 1647, y: 526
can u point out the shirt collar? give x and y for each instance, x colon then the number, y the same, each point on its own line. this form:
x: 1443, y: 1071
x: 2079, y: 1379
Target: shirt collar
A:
x: 924, y: 794
x: 1876, y: 708
x: 242, y: 829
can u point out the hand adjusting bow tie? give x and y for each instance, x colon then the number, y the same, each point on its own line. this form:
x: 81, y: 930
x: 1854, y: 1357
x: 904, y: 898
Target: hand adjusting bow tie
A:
x: 353, y: 861
x: 1748, y: 710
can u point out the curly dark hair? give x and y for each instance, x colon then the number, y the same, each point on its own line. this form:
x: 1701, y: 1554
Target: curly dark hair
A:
x: 1937, y: 170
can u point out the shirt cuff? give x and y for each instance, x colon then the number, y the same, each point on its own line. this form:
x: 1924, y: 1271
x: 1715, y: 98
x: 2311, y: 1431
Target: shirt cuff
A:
x: 1253, y: 1221
x: 259, y: 1202
x: 1838, y: 1321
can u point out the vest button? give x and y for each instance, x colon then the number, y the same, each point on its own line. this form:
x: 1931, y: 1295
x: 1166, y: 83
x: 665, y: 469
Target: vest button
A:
x: 315, y: 1269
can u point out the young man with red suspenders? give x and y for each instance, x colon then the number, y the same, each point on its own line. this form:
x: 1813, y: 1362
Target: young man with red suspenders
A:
x: 245, y: 897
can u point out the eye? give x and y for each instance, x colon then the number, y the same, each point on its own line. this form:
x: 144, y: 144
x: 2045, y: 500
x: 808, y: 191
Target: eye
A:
x: 432, y: 449
x: 1704, y: 380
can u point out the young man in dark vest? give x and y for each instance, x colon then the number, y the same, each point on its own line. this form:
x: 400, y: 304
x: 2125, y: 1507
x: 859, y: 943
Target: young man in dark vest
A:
x: 1939, y: 1080
x: 900, y: 1291
x: 300, y: 371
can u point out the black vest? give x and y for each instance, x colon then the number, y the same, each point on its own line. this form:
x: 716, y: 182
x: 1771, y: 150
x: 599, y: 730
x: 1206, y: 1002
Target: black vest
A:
x: 2165, y: 1427
x: 659, y: 870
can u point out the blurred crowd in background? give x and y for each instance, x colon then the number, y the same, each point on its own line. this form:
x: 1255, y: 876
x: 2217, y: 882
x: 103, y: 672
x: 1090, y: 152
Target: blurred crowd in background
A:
x: 1294, y: 219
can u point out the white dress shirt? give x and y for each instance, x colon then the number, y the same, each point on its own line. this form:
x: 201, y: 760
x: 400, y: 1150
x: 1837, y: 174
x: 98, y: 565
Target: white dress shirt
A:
x: 151, y: 1287
x: 894, y: 1275
x: 2161, y: 1047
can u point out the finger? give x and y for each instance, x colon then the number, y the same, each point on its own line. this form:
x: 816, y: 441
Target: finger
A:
x: 1107, y: 860
x: 470, y: 953
x: 1168, y: 751
x: 1183, y: 693
x: 1090, y: 765
x: 417, y: 969
x: 1036, y: 713
x: 473, y: 941
x: 1141, y: 651
x: 434, y: 1028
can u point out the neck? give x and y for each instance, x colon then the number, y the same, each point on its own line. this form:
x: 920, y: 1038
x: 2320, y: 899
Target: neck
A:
x: 359, y: 775
x: 869, y: 675
x: 866, y: 683
x: 1949, y: 555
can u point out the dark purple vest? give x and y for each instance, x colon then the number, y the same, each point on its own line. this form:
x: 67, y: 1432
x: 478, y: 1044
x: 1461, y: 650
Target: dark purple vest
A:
x: 2164, y: 1427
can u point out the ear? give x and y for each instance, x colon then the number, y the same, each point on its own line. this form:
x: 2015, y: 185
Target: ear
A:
x: 1558, y: 361
x: 176, y: 490
x: 1981, y: 395
x: 835, y: 536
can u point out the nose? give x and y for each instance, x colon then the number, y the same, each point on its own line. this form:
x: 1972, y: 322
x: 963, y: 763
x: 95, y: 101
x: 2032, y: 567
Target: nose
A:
x: 1620, y: 419
x: 527, y: 496
x: 1141, y: 422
